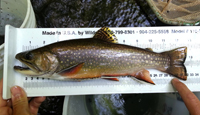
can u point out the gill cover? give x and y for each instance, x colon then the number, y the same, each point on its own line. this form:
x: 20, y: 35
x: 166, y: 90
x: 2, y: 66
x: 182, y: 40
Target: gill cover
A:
x: 38, y: 61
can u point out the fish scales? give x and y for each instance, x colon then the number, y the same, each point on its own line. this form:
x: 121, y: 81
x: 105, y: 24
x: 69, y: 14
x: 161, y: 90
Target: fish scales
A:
x: 107, y: 57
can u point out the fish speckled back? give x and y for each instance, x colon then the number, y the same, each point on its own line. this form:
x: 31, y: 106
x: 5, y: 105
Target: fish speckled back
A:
x: 107, y: 57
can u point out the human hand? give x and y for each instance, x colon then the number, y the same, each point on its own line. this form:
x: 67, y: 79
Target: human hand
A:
x: 18, y: 104
x: 191, y: 101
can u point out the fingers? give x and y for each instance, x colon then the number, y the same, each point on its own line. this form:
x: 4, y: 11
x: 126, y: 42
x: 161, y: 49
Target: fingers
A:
x: 190, y: 100
x: 9, y: 103
x: 35, y: 104
x: 29, y: 98
x: 6, y: 110
x: 3, y: 102
x: 19, y: 101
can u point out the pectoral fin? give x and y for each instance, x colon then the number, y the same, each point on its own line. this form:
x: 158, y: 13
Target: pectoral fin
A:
x: 71, y: 70
x: 144, y: 76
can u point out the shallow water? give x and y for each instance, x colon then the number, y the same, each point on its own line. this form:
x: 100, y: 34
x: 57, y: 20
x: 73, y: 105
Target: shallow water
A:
x: 97, y: 13
x: 94, y: 13
x: 122, y: 104
x: 52, y: 106
x: 136, y: 104
x: 1, y: 39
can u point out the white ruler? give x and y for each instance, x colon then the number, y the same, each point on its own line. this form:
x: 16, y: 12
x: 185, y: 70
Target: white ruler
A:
x: 158, y: 38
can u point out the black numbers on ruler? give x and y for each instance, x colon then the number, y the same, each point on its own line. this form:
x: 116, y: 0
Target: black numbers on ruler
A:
x: 176, y: 40
x: 191, y: 74
x: 163, y: 40
x: 124, y: 41
x: 167, y: 75
x: 160, y: 75
x: 190, y: 57
x: 26, y: 78
x: 150, y: 40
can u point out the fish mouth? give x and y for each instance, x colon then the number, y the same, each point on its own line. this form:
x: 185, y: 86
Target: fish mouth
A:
x: 26, y: 71
x: 30, y: 69
x: 21, y: 68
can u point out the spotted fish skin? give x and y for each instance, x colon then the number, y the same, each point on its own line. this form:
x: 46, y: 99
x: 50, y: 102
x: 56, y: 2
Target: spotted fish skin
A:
x: 106, y: 58
x: 99, y: 56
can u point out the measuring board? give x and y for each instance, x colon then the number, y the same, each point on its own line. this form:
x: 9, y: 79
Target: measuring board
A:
x: 158, y: 38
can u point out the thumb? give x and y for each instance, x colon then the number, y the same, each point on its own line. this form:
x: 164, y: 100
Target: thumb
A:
x: 19, y: 101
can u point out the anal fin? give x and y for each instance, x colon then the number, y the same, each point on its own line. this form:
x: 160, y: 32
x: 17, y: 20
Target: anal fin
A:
x: 144, y: 76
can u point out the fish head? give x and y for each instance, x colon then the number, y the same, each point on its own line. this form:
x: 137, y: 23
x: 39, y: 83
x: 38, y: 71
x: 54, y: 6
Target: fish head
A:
x: 38, y: 61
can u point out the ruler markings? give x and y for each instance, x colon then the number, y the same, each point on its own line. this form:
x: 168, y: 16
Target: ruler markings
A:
x: 157, y: 45
x: 158, y: 38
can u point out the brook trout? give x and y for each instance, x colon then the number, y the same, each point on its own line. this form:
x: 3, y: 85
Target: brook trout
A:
x: 99, y: 56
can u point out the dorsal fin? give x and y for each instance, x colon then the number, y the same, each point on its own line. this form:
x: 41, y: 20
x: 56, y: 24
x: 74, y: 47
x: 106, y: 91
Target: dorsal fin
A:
x: 149, y: 49
x: 106, y: 34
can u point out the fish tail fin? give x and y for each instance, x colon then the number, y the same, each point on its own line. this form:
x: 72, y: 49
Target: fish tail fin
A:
x: 177, y: 59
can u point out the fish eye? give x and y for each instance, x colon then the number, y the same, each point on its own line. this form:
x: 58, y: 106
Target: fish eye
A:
x: 28, y: 56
